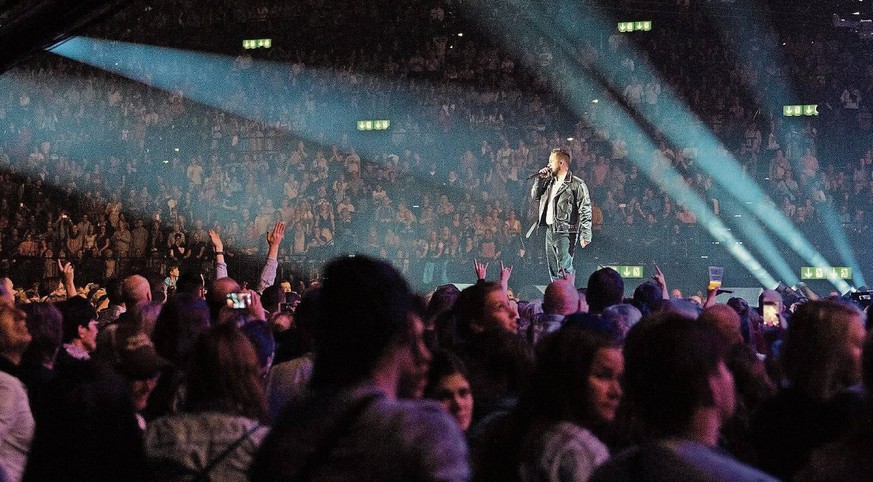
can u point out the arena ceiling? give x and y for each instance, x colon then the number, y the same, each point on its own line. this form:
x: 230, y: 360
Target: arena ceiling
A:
x: 29, y: 25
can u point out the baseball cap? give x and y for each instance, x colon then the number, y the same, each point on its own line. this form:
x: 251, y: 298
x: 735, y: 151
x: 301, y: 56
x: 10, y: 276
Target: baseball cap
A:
x: 138, y: 359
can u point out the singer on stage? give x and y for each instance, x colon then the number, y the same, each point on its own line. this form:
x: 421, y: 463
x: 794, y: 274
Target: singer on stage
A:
x: 565, y: 211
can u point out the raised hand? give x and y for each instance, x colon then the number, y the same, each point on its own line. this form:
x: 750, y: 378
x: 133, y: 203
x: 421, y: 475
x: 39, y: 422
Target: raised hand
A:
x: 68, y: 273
x: 216, y: 241
x: 481, y: 269
x: 505, y: 273
x: 277, y: 234
x: 662, y: 282
x: 66, y: 270
x: 256, y: 309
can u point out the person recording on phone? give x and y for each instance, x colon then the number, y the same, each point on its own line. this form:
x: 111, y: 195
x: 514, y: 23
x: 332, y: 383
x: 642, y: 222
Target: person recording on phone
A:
x: 774, y: 320
x: 565, y: 211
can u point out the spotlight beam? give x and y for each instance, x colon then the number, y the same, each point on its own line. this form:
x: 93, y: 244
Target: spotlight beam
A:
x: 718, y: 162
x: 668, y: 180
x: 775, y: 96
x: 157, y: 67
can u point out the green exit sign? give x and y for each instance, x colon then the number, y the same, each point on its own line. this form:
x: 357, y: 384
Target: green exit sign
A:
x: 644, y: 26
x: 812, y: 272
x: 800, y: 110
x: 628, y: 271
x: 374, y: 125
x: 257, y: 43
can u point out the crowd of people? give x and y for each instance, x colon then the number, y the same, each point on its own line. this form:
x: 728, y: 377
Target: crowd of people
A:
x: 359, y: 377
x: 173, y: 306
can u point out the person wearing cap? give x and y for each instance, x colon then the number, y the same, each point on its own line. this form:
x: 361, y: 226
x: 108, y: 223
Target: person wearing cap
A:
x: 141, y: 365
x: 773, y: 298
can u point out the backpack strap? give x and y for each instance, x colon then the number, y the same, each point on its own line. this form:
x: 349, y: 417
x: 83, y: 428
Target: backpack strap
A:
x: 204, y: 474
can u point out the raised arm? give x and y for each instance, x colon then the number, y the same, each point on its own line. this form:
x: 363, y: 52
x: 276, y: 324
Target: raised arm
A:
x: 662, y: 282
x: 505, y: 273
x: 68, y: 274
x: 711, y: 293
x: 274, y: 239
x: 539, y: 187
x: 218, y: 246
x: 481, y: 270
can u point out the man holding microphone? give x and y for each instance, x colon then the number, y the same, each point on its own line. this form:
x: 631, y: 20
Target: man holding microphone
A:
x: 565, y: 211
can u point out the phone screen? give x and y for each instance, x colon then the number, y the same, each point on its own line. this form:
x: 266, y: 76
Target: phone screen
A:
x: 239, y: 301
x: 771, y: 314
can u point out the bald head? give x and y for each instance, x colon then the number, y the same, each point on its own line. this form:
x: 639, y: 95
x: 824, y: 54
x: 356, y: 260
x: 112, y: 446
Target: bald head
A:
x: 217, y: 295
x: 135, y: 289
x: 7, y: 291
x: 561, y: 298
x: 724, y: 319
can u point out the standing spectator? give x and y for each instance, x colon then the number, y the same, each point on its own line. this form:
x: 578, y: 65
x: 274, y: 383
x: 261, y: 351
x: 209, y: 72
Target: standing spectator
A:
x: 224, y: 413
x: 560, y: 300
x: 44, y: 322
x: 677, y: 383
x: 821, y: 358
x: 121, y: 241
x: 605, y: 288
x: 139, y: 240
x: 79, y: 339
x: 16, y: 421
x: 449, y: 384
x: 847, y: 459
x: 369, y: 342
x: 172, y: 277
x: 548, y: 435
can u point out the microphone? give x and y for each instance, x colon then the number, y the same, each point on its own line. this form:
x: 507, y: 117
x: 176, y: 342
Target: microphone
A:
x: 542, y: 173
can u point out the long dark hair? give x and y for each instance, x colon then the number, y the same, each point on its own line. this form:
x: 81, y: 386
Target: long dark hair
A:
x: 181, y: 321
x: 224, y: 376
x: 558, y: 392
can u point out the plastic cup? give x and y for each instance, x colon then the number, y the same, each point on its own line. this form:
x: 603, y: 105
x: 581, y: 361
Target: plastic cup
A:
x: 716, y: 273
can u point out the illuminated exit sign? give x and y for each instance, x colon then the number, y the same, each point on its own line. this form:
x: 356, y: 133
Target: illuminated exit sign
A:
x: 644, y: 26
x: 800, y: 110
x: 373, y: 125
x: 811, y: 272
x: 257, y: 43
x: 628, y: 271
